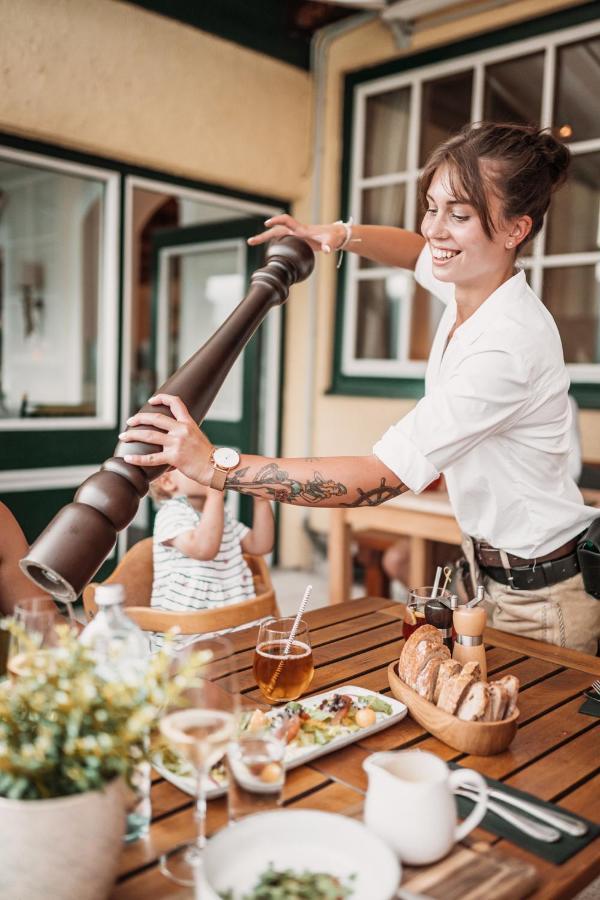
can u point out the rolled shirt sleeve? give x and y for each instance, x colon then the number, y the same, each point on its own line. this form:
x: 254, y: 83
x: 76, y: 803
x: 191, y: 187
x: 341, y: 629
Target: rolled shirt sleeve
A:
x: 486, y: 394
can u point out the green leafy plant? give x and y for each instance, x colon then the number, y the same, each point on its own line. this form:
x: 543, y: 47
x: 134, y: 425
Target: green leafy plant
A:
x: 64, y: 729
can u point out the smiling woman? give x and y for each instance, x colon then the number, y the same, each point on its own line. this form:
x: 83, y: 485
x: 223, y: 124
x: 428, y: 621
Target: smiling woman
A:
x: 495, y: 419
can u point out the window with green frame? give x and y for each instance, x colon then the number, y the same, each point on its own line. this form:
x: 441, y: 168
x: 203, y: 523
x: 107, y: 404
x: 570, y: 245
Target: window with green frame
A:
x: 546, y: 72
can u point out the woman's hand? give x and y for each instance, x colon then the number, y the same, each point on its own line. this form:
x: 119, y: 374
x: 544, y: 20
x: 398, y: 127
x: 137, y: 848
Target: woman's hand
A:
x: 326, y: 238
x: 184, y: 447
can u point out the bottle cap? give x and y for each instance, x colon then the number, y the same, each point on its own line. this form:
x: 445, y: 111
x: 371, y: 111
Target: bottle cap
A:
x: 109, y: 594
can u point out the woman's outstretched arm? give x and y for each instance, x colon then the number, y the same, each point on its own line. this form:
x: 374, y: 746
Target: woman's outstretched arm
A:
x: 327, y: 481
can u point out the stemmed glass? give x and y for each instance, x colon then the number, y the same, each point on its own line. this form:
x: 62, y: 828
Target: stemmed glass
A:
x: 199, y: 727
x: 38, y: 618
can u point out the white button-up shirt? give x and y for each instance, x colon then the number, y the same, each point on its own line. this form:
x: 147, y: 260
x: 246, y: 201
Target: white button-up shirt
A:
x: 496, y: 420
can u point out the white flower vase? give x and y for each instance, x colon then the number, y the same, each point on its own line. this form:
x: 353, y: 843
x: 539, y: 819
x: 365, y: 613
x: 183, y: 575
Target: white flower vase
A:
x: 65, y: 848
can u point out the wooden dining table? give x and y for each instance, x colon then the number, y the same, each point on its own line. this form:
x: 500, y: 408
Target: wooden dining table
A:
x: 554, y: 756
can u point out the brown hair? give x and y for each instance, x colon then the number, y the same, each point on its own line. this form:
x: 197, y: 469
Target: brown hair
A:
x: 527, y: 166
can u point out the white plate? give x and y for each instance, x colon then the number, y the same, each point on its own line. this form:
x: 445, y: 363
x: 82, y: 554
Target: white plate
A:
x: 295, y: 755
x: 302, y: 840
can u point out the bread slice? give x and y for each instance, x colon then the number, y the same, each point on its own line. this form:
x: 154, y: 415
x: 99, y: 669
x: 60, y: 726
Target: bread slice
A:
x: 423, y: 653
x: 498, y: 701
x: 453, y: 692
x: 448, y: 668
x: 475, y: 702
x: 472, y: 668
x: 426, y: 679
x: 511, y: 685
x: 423, y: 633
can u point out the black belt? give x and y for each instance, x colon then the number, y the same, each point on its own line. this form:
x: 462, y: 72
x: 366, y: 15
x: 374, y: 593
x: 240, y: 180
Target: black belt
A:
x: 531, y: 578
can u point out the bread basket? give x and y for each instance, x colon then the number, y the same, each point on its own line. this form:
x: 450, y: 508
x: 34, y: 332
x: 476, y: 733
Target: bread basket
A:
x: 476, y: 738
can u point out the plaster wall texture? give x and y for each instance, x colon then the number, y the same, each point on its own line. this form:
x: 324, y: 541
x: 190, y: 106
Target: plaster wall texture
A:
x: 110, y: 78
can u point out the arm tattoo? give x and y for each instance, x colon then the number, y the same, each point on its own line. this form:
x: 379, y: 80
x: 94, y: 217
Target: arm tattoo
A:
x: 377, y: 495
x: 277, y: 484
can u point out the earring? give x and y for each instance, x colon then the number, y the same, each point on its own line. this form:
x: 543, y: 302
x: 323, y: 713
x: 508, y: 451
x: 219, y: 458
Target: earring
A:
x: 509, y: 243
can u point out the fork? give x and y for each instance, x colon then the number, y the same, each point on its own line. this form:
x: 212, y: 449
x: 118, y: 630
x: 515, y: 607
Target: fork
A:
x: 593, y: 692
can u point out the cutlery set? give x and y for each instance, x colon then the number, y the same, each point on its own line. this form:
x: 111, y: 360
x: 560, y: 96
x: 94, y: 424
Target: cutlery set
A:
x: 556, y: 822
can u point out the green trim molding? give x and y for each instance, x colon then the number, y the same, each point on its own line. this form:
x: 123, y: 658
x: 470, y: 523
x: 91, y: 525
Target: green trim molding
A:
x: 586, y: 394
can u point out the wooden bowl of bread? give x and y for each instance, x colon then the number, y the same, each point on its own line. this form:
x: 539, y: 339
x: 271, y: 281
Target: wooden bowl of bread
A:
x: 450, y: 700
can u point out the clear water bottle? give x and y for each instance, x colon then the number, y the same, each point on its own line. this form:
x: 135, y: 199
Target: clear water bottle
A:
x: 121, y: 650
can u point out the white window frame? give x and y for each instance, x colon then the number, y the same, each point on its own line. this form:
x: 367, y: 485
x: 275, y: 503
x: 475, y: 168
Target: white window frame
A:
x: 108, y: 301
x: 535, y: 263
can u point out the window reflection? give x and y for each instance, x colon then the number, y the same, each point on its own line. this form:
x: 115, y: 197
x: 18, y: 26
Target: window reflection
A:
x: 51, y: 272
x: 576, y: 90
x: 574, y: 216
x: 513, y: 90
x: 445, y: 108
x: 386, y: 132
x: 572, y: 294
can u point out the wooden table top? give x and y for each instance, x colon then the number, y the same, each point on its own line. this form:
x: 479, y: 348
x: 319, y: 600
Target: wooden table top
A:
x: 553, y: 756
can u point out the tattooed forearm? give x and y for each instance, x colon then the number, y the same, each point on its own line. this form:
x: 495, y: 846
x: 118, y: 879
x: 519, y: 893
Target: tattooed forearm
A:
x: 375, y: 496
x: 309, y: 487
x: 277, y: 484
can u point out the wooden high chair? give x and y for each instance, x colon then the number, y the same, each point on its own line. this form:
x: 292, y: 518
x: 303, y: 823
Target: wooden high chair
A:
x: 134, y: 572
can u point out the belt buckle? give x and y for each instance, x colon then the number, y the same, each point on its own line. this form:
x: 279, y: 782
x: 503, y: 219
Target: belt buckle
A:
x: 507, y: 569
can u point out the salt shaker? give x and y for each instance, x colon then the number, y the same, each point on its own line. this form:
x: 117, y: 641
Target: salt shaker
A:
x: 469, y: 623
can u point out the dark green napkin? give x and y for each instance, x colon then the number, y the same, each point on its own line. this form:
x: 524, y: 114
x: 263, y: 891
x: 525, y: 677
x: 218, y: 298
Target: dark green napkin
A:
x: 590, y: 707
x: 557, y: 853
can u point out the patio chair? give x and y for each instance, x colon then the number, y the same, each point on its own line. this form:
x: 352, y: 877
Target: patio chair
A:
x: 134, y: 572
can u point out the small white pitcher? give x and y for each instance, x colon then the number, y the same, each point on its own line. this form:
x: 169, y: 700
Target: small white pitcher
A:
x: 410, y: 804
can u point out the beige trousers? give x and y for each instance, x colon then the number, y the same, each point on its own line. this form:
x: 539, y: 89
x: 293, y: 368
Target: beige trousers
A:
x: 562, y: 614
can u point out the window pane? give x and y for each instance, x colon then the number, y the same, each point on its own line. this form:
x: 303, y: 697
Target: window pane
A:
x: 513, y: 90
x: 427, y: 311
x: 572, y: 294
x: 445, y: 108
x: 382, y: 206
x: 577, y: 88
x: 51, y: 270
x: 574, y: 215
x: 377, y: 321
x: 386, y: 132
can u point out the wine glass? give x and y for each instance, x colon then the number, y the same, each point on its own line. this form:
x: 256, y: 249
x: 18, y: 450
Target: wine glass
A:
x: 38, y: 617
x: 199, y: 727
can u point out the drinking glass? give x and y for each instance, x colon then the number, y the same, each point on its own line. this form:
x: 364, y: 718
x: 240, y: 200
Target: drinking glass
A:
x: 415, y: 607
x: 199, y: 728
x: 283, y: 668
x: 255, y: 774
x: 38, y: 617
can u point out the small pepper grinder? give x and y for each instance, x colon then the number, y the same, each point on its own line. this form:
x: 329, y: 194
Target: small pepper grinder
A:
x: 469, y: 623
x: 440, y: 615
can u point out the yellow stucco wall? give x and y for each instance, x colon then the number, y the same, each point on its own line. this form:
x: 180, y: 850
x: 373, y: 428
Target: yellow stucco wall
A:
x: 109, y: 78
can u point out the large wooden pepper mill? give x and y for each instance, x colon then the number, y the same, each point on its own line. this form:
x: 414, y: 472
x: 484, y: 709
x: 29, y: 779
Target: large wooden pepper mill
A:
x: 77, y: 541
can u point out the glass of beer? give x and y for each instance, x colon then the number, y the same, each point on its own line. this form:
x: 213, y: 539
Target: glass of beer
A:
x: 283, y: 667
x: 415, y: 608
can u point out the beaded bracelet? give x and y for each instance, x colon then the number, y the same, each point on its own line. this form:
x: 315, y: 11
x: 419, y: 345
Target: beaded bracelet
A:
x: 347, y: 238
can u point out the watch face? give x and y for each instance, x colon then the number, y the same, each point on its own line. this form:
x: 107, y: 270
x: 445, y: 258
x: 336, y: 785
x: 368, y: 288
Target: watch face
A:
x: 226, y: 457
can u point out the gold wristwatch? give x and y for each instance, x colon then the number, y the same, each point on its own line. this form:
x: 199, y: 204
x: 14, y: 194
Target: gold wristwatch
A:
x: 223, y: 460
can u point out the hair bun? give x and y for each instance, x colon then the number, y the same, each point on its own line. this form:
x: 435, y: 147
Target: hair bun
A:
x: 556, y: 155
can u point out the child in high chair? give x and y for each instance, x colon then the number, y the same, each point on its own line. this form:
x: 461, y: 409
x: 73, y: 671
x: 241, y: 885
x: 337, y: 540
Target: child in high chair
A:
x: 198, y: 547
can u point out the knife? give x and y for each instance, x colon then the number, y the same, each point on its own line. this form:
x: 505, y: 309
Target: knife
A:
x: 560, y: 820
x: 527, y: 826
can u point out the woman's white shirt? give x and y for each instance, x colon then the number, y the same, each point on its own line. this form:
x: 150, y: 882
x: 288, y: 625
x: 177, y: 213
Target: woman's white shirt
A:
x: 496, y: 421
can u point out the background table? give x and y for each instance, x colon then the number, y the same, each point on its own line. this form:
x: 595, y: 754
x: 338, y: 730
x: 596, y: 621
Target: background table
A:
x: 554, y: 754
x: 422, y: 518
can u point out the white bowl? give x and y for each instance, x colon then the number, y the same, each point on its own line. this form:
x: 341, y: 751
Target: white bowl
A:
x: 302, y: 840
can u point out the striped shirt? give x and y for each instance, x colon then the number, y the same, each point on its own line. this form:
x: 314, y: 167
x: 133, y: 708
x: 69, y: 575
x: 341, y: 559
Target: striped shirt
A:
x: 183, y: 584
